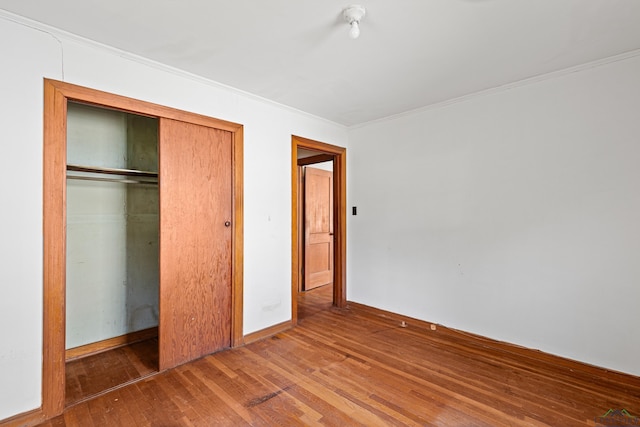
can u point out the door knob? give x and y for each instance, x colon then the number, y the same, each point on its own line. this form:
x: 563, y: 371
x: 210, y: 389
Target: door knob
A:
x: 227, y: 223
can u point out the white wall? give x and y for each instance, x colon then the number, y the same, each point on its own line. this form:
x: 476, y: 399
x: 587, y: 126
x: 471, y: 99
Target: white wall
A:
x: 514, y: 215
x: 24, y: 65
x: 30, y: 54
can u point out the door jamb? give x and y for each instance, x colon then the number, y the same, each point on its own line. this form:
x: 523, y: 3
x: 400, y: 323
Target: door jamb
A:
x: 339, y: 156
x: 56, y: 95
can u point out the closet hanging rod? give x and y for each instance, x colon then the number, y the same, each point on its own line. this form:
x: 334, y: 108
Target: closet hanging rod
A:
x: 120, y: 180
x: 112, y: 171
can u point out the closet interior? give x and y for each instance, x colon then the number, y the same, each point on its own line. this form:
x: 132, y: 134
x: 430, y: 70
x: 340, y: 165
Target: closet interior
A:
x: 112, y: 249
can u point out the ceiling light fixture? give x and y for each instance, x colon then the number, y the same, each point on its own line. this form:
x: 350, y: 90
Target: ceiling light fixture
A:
x: 353, y: 14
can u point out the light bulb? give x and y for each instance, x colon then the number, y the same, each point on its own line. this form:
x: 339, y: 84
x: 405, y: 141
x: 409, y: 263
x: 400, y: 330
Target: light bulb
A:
x: 354, y: 32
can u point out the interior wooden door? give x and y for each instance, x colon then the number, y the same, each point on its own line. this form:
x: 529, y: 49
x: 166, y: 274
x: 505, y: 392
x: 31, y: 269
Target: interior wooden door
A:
x: 318, y: 226
x: 195, y: 241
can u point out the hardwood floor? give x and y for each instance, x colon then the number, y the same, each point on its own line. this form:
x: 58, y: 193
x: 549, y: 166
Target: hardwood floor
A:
x: 360, y: 366
x: 314, y: 301
x: 100, y: 372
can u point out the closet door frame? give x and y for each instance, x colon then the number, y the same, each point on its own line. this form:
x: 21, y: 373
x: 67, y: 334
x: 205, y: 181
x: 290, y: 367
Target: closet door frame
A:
x: 56, y: 96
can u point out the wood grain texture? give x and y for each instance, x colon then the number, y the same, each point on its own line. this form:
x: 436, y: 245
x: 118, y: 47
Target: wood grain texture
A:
x: 110, y: 344
x: 54, y: 249
x: 339, y: 155
x: 195, y: 244
x: 296, y: 231
x: 299, y: 255
x: 340, y: 229
x: 237, y: 271
x: 314, y: 301
x: 358, y: 366
x: 315, y: 159
x: 318, y: 227
x: 56, y: 95
x: 267, y: 332
x: 26, y: 419
x: 102, y: 372
x: 95, y: 97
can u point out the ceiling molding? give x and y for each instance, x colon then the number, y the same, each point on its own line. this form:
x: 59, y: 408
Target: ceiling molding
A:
x: 498, y: 89
x: 61, y: 36
x: 64, y: 36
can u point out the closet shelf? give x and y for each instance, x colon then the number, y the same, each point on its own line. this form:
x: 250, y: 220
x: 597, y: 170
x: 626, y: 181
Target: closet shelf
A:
x: 111, y: 171
x: 120, y: 180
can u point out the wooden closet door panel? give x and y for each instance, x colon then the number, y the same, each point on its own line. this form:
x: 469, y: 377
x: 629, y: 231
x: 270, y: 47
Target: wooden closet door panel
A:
x: 195, y: 243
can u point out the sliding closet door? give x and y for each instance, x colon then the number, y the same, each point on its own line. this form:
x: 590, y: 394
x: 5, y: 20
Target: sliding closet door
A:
x: 195, y: 241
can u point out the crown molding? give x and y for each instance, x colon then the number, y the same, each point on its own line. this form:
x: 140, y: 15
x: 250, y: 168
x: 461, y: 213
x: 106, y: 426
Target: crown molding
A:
x: 62, y: 36
x: 502, y: 88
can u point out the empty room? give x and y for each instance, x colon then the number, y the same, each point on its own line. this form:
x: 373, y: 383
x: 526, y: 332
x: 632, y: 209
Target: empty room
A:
x: 419, y: 212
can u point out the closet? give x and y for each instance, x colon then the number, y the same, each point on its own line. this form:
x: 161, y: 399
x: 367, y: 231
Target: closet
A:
x: 142, y: 231
x: 112, y: 268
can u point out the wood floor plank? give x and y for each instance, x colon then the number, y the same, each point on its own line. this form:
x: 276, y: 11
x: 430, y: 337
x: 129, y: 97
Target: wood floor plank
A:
x: 392, y: 377
x: 92, y: 375
x: 436, y: 377
x: 219, y: 399
x: 358, y: 367
x: 332, y: 378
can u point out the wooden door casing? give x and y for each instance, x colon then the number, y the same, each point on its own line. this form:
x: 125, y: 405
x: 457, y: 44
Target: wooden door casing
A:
x: 56, y: 96
x: 318, y: 227
x: 195, y: 241
x: 339, y: 157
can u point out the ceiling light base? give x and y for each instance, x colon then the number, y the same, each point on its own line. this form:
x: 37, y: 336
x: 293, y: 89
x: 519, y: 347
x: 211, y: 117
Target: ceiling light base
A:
x: 353, y: 14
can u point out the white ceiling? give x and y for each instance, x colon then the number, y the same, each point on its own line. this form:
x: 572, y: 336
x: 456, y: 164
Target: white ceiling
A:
x: 411, y: 53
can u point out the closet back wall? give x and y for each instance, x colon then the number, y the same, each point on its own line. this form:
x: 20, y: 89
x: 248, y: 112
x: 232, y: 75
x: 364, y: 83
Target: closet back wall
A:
x: 30, y: 53
x: 112, y: 228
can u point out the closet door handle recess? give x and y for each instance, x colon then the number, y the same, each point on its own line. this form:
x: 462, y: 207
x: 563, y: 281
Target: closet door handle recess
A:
x: 227, y: 223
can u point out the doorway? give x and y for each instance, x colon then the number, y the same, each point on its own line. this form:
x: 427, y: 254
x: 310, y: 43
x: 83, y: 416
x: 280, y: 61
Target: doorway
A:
x: 317, y: 152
